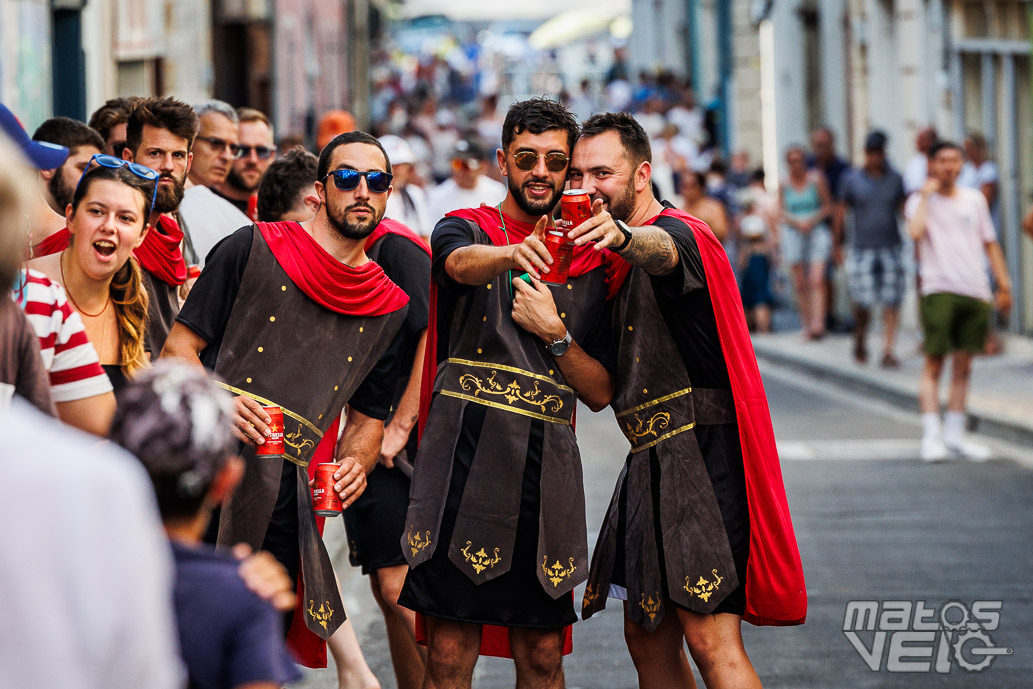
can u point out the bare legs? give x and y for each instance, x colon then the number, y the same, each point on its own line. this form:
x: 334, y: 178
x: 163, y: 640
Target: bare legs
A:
x: 890, y: 318
x: 809, y: 283
x: 407, y: 657
x: 715, y: 644
x: 352, y: 670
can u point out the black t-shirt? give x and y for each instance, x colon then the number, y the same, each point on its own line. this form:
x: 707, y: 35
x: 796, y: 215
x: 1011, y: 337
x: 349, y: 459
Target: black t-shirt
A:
x: 454, y: 233
x: 227, y: 635
x: 207, y: 310
x: 684, y: 301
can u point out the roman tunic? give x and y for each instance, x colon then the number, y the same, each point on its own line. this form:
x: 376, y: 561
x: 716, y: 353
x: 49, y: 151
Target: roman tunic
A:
x: 699, y: 516
x: 496, y: 524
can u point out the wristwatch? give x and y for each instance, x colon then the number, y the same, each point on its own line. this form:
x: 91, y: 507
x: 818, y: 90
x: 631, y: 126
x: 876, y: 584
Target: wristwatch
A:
x: 625, y: 230
x: 559, y: 347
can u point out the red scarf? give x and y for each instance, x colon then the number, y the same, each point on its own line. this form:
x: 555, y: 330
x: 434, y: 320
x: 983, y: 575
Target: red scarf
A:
x: 387, y: 226
x: 159, y: 253
x: 775, y: 589
x: 361, y: 291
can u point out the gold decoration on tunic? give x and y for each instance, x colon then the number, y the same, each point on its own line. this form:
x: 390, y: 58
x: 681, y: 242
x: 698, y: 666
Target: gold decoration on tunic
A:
x: 512, y: 392
x: 417, y: 543
x: 557, y: 572
x: 649, y: 606
x: 590, y: 596
x: 480, y: 560
x: 703, y: 588
x: 323, y: 615
x: 643, y: 428
x: 296, y: 442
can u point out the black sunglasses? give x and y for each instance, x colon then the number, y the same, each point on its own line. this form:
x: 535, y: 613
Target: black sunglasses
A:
x: 347, y: 180
x: 526, y: 160
x: 263, y: 152
x: 142, y: 171
x: 236, y: 150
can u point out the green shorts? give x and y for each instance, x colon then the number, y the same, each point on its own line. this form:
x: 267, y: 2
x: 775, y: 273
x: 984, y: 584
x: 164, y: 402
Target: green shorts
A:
x: 952, y: 322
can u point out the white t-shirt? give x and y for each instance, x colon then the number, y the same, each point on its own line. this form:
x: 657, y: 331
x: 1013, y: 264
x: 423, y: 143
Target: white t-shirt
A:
x: 86, y: 571
x: 449, y: 196
x: 915, y: 172
x: 208, y: 218
x: 952, y: 253
x: 412, y: 214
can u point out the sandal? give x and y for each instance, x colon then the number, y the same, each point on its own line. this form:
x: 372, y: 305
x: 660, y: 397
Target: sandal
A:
x: 889, y: 361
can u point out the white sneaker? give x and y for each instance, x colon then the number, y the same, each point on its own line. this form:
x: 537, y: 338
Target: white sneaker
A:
x: 933, y: 450
x: 973, y: 452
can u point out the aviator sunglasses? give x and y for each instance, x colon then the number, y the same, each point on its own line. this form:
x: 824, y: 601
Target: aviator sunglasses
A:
x: 347, y: 180
x: 526, y: 160
x: 142, y: 171
x: 263, y: 152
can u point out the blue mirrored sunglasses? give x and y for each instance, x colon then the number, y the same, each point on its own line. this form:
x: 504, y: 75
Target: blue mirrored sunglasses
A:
x: 142, y: 171
x: 346, y: 180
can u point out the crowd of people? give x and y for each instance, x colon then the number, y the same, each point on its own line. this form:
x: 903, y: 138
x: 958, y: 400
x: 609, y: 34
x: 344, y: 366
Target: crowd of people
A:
x: 181, y: 275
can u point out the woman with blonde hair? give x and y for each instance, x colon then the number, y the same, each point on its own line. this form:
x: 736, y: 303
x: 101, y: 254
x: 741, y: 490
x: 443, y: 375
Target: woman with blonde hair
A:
x: 107, y: 219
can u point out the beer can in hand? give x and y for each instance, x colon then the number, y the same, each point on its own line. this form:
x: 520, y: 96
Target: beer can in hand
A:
x: 325, y: 500
x: 561, y: 249
x: 575, y: 208
x: 273, y: 445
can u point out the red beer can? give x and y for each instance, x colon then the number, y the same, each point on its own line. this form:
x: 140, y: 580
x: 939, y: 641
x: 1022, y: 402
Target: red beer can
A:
x: 325, y: 500
x: 561, y: 249
x: 575, y: 208
x: 273, y: 445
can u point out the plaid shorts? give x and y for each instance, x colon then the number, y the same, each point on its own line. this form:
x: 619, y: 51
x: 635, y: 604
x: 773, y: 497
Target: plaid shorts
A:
x: 875, y: 276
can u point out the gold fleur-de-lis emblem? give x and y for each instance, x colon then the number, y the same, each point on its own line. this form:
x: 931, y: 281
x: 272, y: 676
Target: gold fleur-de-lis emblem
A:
x: 417, y: 543
x: 323, y: 615
x: 704, y: 588
x: 512, y: 392
x: 480, y: 560
x: 649, y: 606
x: 557, y: 572
x: 643, y: 428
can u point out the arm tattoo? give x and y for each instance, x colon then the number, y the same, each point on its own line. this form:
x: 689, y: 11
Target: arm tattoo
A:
x: 651, y: 249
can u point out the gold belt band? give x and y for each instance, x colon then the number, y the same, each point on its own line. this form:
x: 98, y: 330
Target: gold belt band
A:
x: 512, y: 369
x: 504, y: 407
x: 651, y: 403
x: 269, y: 403
x: 665, y: 436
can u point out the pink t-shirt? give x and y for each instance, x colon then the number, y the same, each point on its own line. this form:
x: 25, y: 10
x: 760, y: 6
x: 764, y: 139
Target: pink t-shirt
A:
x: 952, y: 254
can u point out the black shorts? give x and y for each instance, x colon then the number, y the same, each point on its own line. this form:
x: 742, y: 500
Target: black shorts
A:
x: 375, y: 523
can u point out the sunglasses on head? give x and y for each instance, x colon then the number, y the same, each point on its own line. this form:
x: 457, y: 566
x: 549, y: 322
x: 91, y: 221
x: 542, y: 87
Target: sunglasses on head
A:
x: 114, y: 163
x: 263, y: 152
x: 236, y: 150
x: 347, y: 180
x: 554, y: 161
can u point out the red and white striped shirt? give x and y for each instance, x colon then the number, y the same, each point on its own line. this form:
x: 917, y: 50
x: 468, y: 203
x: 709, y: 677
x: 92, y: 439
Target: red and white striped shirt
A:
x: 68, y: 356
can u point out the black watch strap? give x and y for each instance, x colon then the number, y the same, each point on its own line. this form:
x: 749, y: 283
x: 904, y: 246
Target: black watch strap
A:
x: 626, y: 231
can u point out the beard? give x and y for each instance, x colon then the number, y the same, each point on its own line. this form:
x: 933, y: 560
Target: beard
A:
x: 236, y: 180
x: 353, y: 230
x: 169, y: 198
x: 61, y: 192
x: 621, y: 207
x: 543, y: 207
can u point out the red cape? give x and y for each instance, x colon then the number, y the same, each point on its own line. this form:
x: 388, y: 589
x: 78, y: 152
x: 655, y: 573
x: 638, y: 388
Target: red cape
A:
x: 361, y: 291
x: 494, y: 639
x: 775, y: 589
x: 158, y: 254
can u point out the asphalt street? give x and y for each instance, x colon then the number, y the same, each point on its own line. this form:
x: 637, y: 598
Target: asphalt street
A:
x: 875, y: 526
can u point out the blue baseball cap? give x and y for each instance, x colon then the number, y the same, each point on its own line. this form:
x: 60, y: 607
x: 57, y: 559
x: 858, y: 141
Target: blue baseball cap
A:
x: 44, y: 155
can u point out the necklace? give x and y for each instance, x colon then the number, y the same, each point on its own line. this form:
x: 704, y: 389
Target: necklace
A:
x: 61, y: 265
x: 502, y: 219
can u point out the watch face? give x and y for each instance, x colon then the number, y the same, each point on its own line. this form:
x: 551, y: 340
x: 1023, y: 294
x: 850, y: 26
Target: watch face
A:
x: 559, y: 348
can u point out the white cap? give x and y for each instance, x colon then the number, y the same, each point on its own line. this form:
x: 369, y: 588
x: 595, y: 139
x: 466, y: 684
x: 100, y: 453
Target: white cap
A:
x: 399, y: 152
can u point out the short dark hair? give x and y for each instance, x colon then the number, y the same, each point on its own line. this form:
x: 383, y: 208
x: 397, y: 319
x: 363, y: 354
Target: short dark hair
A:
x: 162, y: 113
x: 353, y: 137
x: 538, y: 115
x: 633, y: 137
x: 64, y: 131
x: 113, y: 113
x: 283, y: 183
x: 944, y: 145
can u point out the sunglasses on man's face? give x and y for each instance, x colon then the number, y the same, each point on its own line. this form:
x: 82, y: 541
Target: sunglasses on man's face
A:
x: 347, y: 180
x: 142, y: 171
x: 263, y: 152
x: 554, y: 161
x: 221, y: 144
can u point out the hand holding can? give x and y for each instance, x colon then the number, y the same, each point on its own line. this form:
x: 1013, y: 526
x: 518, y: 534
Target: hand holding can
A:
x: 325, y: 500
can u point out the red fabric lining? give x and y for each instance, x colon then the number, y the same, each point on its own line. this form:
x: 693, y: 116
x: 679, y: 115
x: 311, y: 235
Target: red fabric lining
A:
x: 394, y: 227
x: 362, y: 291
